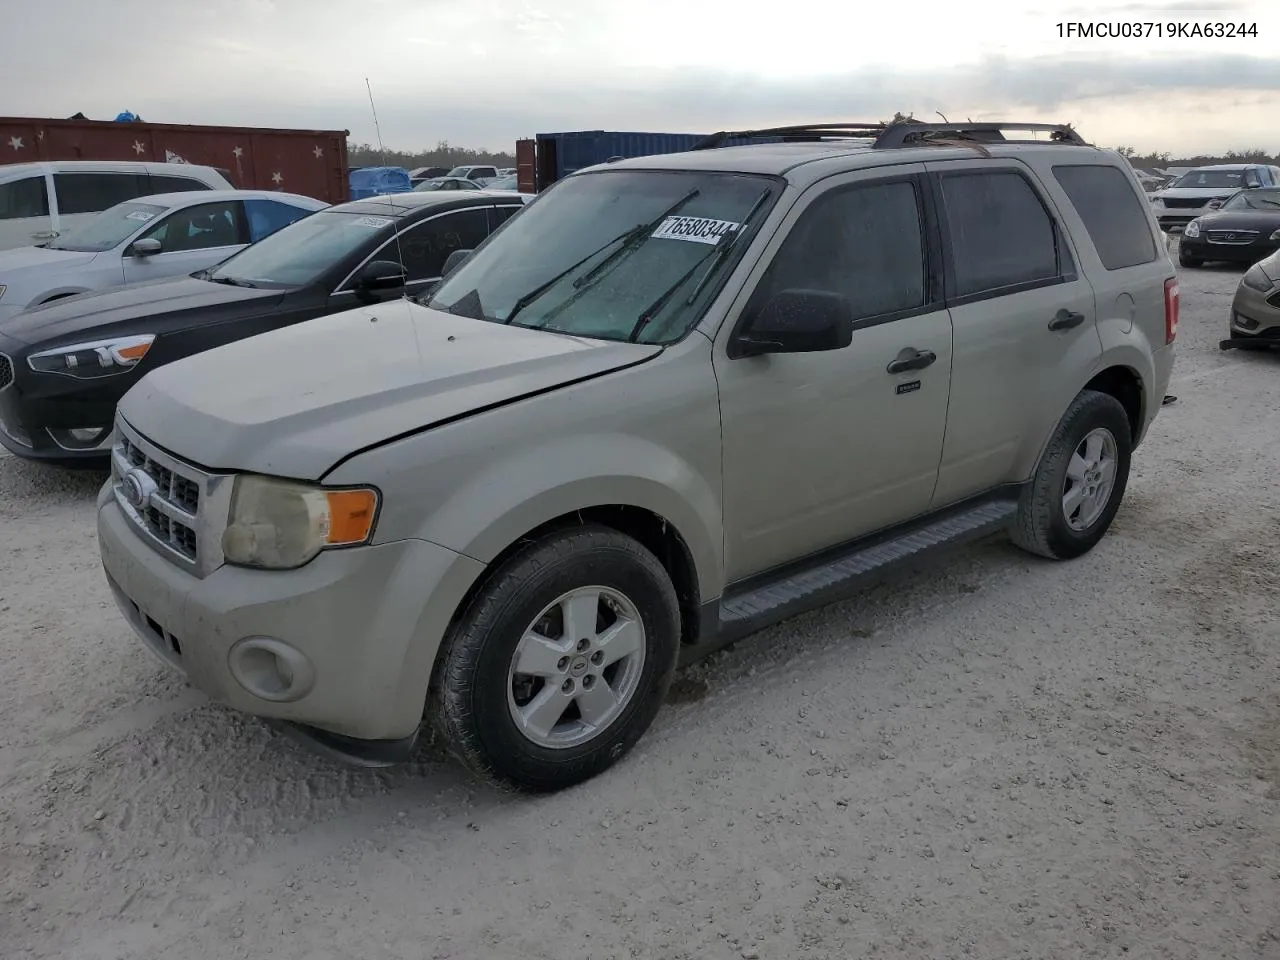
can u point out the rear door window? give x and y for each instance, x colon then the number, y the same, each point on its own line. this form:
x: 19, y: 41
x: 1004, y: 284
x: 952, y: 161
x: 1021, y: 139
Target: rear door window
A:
x: 1000, y: 234
x: 95, y: 192
x: 23, y: 199
x: 1112, y: 212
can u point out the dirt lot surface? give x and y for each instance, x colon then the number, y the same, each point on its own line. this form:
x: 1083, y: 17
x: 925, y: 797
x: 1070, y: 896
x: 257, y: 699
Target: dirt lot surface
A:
x: 996, y: 757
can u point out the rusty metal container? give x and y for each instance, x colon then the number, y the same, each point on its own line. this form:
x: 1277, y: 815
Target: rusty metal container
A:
x: 309, y: 162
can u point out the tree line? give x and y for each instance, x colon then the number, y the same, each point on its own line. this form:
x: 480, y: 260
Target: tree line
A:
x: 444, y: 155
x: 447, y: 155
x: 1162, y: 160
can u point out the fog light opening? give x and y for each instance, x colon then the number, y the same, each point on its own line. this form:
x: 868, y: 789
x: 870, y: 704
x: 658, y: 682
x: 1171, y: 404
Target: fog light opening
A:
x: 270, y: 669
x: 81, y: 438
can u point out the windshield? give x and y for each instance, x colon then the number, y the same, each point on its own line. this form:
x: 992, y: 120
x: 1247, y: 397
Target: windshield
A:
x: 458, y: 172
x: 618, y: 255
x: 109, y: 228
x: 503, y: 183
x: 1267, y: 198
x: 301, y: 252
x: 1211, y: 179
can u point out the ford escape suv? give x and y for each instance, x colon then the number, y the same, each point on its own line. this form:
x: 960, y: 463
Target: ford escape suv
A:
x: 678, y: 399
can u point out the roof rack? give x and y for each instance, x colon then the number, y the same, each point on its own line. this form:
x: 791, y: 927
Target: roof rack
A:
x: 905, y: 133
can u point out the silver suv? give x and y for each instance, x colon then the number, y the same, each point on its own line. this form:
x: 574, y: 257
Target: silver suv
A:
x: 677, y: 399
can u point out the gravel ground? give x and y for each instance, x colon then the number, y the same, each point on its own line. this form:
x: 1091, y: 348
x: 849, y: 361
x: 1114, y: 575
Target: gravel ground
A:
x: 995, y: 758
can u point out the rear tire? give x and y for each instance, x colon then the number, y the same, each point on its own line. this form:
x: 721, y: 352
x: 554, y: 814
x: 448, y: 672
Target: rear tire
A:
x: 1077, y: 488
x: 560, y: 663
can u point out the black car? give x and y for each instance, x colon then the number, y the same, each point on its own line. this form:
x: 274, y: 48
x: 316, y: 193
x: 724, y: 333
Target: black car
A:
x: 1245, y: 229
x: 64, y: 365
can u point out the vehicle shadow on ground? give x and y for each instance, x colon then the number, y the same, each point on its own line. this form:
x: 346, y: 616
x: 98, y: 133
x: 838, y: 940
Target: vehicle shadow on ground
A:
x: 23, y: 479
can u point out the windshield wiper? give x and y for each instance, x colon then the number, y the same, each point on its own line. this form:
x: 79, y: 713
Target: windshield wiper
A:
x: 633, y: 238
x: 716, y: 257
x: 542, y: 288
x: 230, y: 281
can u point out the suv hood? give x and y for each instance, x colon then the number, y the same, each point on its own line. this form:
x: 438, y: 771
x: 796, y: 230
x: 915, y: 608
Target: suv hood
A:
x: 294, y: 401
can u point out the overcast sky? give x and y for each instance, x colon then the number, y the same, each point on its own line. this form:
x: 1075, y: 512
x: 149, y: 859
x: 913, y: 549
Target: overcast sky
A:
x: 481, y: 73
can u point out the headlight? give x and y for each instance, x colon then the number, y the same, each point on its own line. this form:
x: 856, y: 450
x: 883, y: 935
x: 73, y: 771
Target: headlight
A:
x: 1255, y: 279
x: 87, y: 361
x: 1275, y: 236
x: 1192, y: 229
x: 281, y: 524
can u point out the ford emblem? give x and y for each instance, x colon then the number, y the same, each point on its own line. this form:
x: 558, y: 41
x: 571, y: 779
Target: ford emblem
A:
x: 137, y: 487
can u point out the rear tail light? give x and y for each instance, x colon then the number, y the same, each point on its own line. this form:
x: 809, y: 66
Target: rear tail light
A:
x: 1172, y: 306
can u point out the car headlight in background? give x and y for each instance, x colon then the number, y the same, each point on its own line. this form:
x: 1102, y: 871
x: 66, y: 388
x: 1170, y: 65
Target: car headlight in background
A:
x: 1192, y: 229
x: 1274, y: 237
x: 282, y: 524
x: 1255, y: 279
x: 101, y: 358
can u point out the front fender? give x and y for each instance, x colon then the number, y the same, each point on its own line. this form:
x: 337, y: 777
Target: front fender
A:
x: 514, y: 495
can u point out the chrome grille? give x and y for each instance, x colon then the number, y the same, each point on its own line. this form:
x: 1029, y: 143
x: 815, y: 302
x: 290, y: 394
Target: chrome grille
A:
x: 6, y: 371
x: 1231, y: 236
x: 169, y: 501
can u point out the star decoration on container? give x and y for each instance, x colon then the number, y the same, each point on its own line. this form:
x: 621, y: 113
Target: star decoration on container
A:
x: 318, y: 151
x: 15, y: 142
x: 139, y: 147
x: 277, y: 178
x: 238, y: 151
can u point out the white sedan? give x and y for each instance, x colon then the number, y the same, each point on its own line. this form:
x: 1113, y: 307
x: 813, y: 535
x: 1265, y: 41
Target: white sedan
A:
x: 150, y: 238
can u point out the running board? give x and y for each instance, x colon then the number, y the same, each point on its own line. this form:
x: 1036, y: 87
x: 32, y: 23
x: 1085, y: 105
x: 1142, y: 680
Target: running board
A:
x: 839, y: 573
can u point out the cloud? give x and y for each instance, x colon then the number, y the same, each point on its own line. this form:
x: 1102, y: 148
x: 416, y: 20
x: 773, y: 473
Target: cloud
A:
x: 485, y: 75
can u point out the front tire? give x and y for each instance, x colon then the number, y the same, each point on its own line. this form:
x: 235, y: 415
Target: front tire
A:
x: 1075, y: 493
x: 1189, y: 261
x: 561, y: 661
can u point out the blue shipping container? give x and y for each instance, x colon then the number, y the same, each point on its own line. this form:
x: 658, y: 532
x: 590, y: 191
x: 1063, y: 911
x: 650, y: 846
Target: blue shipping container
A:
x: 586, y: 148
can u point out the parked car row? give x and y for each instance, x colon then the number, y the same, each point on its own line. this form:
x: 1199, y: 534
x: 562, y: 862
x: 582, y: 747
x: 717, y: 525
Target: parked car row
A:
x: 146, y: 239
x: 66, y: 362
x: 1204, y: 189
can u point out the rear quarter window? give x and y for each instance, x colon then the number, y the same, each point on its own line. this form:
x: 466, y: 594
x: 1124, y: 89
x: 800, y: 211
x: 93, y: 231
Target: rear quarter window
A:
x: 1112, y: 212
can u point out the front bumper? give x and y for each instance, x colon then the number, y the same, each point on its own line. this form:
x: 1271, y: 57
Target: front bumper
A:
x: 38, y: 410
x: 1234, y: 252
x: 359, y: 629
x: 1175, y: 220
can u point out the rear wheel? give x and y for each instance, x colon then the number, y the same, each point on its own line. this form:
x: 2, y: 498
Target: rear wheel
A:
x: 1073, y: 497
x: 560, y: 663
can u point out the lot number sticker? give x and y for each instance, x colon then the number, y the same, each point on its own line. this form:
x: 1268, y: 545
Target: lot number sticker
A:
x: 374, y: 222
x: 140, y: 215
x: 697, y: 229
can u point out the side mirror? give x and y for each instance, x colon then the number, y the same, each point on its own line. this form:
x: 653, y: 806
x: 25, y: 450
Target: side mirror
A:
x: 382, y: 275
x: 454, y: 261
x: 797, y: 321
x: 143, y: 248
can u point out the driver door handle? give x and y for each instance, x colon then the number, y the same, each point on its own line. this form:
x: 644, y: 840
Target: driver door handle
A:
x: 1066, y: 319
x: 911, y: 359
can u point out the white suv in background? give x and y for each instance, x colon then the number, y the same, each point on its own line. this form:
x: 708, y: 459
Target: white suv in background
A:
x: 1194, y: 193
x: 39, y: 201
